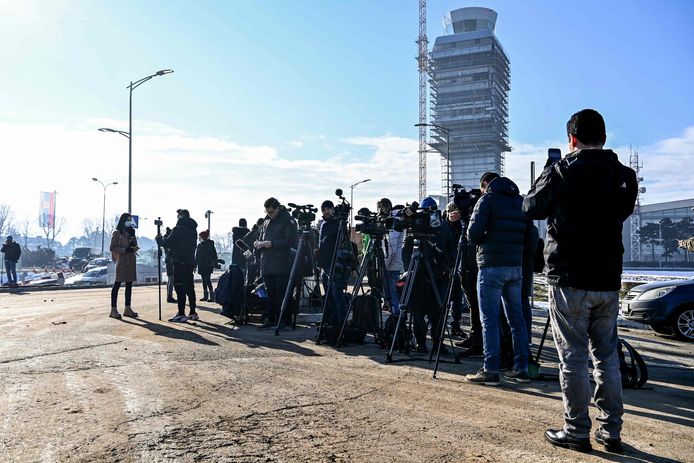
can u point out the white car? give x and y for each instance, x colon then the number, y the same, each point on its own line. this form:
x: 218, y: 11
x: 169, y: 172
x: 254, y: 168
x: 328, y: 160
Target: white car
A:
x: 95, y: 276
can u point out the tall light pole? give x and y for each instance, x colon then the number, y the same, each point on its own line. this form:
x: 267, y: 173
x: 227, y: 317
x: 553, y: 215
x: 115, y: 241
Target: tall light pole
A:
x: 447, y: 132
x: 103, y: 214
x: 129, y: 133
x: 208, y: 215
x: 351, y: 198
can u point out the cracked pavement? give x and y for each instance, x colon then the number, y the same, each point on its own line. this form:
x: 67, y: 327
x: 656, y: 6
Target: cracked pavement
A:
x: 79, y: 386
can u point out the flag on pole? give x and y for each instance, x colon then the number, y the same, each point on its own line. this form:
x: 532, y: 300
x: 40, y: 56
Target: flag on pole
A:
x: 47, y: 208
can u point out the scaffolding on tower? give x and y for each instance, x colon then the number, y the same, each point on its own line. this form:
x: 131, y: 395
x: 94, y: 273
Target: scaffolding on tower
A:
x: 635, y: 219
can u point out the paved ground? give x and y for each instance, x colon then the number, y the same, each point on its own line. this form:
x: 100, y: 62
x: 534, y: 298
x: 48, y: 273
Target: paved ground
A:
x: 78, y: 386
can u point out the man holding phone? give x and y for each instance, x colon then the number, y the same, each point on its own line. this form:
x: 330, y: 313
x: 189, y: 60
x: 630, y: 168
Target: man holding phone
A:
x: 586, y: 197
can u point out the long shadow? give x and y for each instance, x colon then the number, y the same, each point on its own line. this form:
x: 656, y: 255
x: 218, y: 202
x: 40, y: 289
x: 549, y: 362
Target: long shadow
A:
x: 169, y: 332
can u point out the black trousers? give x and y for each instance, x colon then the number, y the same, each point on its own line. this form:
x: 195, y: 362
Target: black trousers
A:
x: 128, y: 293
x: 207, y: 285
x: 469, y: 283
x: 276, y: 286
x: 183, y: 285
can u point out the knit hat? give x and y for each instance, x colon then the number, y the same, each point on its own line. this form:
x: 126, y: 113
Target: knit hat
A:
x: 204, y: 234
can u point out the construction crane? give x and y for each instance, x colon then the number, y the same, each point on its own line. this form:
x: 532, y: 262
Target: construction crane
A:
x: 635, y: 219
x: 423, y: 62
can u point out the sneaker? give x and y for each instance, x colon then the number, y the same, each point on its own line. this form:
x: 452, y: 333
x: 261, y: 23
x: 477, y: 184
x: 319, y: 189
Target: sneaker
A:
x: 179, y: 319
x: 193, y: 316
x: 484, y: 377
x: 171, y: 300
x: 518, y: 376
x: 203, y: 299
x: 611, y: 445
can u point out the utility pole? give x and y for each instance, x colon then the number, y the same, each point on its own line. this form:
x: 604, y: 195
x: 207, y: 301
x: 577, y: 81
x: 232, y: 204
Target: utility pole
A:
x: 423, y: 62
x: 635, y: 219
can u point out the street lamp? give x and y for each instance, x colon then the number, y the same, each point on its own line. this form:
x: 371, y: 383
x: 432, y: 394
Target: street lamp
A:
x: 129, y: 133
x: 103, y: 215
x: 447, y: 132
x: 351, y: 198
x: 208, y: 215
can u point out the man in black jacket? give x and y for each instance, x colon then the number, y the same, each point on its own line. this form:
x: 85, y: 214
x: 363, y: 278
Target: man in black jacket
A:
x: 585, y: 198
x: 500, y: 230
x: 278, y: 235
x: 327, y: 240
x: 12, y: 253
x: 181, y: 245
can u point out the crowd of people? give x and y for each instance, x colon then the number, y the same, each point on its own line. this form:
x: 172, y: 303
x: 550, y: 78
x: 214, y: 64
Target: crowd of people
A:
x: 496, y: 243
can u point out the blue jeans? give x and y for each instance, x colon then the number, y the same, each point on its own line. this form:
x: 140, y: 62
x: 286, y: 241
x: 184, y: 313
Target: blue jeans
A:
x: 391, y: 279
x: 585, y: 323
x: 336, y: 310
x: 495, y: 284
x: 11, y: 268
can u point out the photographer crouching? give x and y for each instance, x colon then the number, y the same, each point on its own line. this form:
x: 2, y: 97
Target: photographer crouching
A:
x: 277, y: 236
x: 438, y: 248
x: 181, y: 246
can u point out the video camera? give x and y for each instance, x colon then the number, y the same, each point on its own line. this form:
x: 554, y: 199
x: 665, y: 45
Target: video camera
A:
x: 371, y: 224
x: 304, y: 215
x: 417, y: 220
x: 465, y: 200
x: 341, y: 211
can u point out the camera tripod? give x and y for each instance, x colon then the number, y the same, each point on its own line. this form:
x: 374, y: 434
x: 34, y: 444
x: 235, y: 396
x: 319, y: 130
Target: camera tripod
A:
x: 296, y: 278
x: 373, y: 255
x: 159, y: 223
x: 421, y: 258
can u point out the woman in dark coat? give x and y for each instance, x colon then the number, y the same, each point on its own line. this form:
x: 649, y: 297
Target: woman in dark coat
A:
x: 123, y: 248
x: 206, y: 260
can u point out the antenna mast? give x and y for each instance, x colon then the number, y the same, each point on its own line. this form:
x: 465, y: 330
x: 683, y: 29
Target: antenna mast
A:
x: 635, y: 220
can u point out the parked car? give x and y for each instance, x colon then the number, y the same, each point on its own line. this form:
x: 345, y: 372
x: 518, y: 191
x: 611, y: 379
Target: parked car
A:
x: 95, y: 276
x: 667, y: 306
x: 98, y: 262
x: 80, y: 257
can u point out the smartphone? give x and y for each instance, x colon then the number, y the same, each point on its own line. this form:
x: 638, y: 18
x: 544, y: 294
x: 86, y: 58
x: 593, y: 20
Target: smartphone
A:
x: 553, y: 155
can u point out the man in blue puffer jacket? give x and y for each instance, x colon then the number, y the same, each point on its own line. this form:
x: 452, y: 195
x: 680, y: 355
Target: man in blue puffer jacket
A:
x: 500, y: 229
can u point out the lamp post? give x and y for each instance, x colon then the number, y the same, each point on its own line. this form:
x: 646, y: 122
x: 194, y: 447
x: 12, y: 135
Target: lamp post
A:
x: 351, y: 198
x: 129, y: 133
x: 103, y: 214
x: 447, y: 132
x: 208, y: 215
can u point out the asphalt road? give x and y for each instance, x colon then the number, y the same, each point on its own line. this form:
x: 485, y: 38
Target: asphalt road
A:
x: 79, y: 386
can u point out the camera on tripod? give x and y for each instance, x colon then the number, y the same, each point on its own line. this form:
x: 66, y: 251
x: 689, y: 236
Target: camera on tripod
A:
x: 158, y: 222
x: 417, y: 220
x: 465, y: 200
x: 303, y: 214
x: 371, y: 224
x: 341, y: 211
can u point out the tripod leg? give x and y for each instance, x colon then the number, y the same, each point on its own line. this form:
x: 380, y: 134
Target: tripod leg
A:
x: 405, y: 303
x: 357, y: 285
x: 331, y: 273
x: 542, y: 341
x: 290, y: 284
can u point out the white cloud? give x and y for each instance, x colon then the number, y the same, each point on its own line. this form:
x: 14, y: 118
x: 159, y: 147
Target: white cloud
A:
x: 173, y: 169
x: 296, y: 143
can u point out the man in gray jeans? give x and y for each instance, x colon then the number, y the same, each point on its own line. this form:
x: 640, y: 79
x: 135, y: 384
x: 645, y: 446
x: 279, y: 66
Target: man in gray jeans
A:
x: 585, y: 197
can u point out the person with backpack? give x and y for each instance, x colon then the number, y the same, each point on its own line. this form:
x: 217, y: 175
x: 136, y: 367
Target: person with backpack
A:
x: 123, y: 252
x: 206, y: 261
x: 585, y: 197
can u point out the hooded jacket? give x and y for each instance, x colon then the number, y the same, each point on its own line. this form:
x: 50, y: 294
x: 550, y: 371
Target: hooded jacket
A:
x: 585, y: 197
x: 238, y: 233
x: 181, y: 243
x: 12, y: 251
x: 206, y: 257
x: 498, y: 226
x: 282, y: 232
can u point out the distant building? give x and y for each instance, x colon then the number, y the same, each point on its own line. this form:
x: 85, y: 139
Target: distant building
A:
x: 672, y: 216
x: 470, y: 81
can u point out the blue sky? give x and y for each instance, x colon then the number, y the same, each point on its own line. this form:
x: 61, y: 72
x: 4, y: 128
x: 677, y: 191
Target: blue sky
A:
x: 311, y: 84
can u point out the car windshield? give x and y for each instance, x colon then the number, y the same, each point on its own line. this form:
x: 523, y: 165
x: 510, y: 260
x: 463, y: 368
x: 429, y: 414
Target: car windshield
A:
x: 94, y: 272
x: 80, y: 252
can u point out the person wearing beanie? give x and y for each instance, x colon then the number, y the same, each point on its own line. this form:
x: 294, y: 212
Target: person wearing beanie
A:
x: 206, y: 260
x: 238, y: 233
x: 180, y: 244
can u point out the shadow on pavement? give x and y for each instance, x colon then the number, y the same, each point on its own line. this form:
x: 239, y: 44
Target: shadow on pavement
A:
x: 169, y: 331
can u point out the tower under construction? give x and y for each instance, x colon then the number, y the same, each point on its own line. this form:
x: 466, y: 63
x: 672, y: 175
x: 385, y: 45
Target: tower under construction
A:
x: 470, y: 81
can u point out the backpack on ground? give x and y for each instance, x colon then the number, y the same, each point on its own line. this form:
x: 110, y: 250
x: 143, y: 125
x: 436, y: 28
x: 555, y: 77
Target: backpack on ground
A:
x: 632, y: 366
x: 404, y: 334
x: 229, y: 291
x: 365, y: 312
